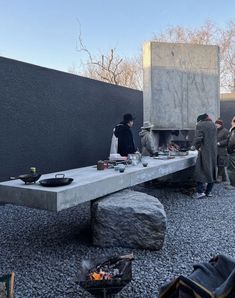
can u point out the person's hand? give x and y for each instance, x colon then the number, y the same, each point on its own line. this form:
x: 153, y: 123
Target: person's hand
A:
x: 192, y: 148
x: 218, y: 144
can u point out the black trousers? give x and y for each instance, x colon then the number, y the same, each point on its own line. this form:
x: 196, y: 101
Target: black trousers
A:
x: 221, y: 164
x: 201, y: 187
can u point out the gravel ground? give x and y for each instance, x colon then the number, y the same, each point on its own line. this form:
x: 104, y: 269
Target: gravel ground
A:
x: 45, y: 249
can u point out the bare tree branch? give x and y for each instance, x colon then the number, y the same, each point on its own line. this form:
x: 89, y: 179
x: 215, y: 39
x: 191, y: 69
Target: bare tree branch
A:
x: 109, y: 67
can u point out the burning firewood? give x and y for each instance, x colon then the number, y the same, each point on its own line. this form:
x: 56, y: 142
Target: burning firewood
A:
x: 112, y: 268
x: 100, y: 276
x: 103, y: 277
x: 173, y: 147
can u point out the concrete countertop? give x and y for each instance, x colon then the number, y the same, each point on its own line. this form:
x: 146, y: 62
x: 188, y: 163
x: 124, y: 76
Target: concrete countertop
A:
x: 88, y: 183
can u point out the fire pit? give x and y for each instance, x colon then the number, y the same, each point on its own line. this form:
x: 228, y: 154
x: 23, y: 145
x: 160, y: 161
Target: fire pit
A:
x: 106, y: 277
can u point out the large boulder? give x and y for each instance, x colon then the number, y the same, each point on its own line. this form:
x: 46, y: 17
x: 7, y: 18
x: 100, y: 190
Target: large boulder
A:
x: 128, y: 219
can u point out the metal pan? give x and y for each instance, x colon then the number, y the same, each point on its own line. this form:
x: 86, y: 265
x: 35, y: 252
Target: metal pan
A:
x: 163, y: 157
x: 27, y: 178
x: 54, y: 182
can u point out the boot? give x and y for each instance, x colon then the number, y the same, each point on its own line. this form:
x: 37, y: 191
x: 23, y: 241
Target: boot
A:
x: 224, y: 178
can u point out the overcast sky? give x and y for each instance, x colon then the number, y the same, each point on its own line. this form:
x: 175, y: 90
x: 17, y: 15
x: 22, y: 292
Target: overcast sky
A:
x: 44, y: 32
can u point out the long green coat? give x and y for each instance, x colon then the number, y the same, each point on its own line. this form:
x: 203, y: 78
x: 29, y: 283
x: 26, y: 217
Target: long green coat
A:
x: 205, y: 142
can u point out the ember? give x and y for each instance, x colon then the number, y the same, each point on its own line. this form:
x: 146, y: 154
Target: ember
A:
x: 100, y: 276
x: 110, y: 269
x: 108, y: 276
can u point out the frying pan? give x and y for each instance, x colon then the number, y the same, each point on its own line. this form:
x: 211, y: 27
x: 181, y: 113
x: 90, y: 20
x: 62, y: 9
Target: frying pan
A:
x: 53, y: 182
x: 27, y: 178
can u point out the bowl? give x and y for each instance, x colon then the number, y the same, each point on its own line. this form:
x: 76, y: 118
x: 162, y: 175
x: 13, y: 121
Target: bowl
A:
x: 121, y: 168
x: 116, y: 168
x: 145, y: 164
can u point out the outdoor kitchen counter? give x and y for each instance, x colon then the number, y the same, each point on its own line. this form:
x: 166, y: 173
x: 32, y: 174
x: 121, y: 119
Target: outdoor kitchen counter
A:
x: 88, y: 184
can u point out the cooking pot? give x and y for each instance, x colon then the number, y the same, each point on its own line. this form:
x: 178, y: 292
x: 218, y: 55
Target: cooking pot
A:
x: 53, y: 182
x: 27, y: 178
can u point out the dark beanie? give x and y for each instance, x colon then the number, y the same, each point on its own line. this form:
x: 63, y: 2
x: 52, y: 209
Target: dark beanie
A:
x: 202, y: 117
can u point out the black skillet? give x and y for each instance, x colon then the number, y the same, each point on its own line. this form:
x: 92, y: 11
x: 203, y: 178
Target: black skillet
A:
x: 53, y: 182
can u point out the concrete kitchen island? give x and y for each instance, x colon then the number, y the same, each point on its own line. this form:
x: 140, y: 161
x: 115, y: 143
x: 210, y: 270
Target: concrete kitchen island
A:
x: 88, y: 184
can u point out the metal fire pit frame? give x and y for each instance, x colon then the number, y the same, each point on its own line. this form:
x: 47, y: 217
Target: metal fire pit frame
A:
x: 106, y: 288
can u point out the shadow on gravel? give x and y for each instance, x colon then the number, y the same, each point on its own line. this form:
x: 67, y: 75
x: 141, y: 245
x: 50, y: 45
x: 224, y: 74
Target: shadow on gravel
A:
x: 186, y: 188
x: 84, y: 236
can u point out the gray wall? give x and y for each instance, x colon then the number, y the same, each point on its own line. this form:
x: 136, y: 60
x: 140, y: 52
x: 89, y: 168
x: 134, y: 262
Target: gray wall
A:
x: 56, y: 121
x: 181, y: 81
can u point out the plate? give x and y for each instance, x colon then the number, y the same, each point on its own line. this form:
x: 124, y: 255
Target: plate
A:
x: 165, y: 153
x: 118, y: 159
x: 164, y: 157
x: 179, y: 153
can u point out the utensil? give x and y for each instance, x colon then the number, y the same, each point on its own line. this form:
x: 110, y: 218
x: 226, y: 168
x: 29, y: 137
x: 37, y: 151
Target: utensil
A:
x: 164, y: 157
x: 54, y: 182
x: 117, y: 157
x: 135, y: 158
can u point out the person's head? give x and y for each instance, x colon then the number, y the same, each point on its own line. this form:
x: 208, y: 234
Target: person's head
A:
x: 128, y: 119
x: 147, y: 126
x: 233, y: 121
x: 219, y: 123
x: 202, y: 117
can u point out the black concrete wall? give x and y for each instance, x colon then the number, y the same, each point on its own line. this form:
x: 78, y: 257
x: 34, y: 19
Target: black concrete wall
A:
x: 56, y: 121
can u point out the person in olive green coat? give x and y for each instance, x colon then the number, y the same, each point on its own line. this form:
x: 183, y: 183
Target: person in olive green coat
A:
x: 205, y: 142
x: 147, y: 141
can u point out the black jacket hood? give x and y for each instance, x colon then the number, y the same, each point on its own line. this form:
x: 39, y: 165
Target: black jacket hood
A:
x: 120, y: 128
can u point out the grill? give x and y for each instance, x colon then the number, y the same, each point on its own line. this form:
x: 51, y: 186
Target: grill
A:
x: 107, y: 288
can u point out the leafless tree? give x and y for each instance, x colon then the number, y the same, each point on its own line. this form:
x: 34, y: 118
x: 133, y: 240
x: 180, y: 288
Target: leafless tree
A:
x: 73, y: 69
x: 110, y: 67
x: 209, y: 33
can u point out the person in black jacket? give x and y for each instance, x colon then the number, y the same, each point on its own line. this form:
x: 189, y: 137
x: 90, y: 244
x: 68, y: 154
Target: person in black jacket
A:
x: 231, y: 156
x: 123, y: 132
x: 222, y: 140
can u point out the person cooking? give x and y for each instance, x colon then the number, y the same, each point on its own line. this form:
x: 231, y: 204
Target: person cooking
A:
x: 123, y: 132
x: 147, y: 141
